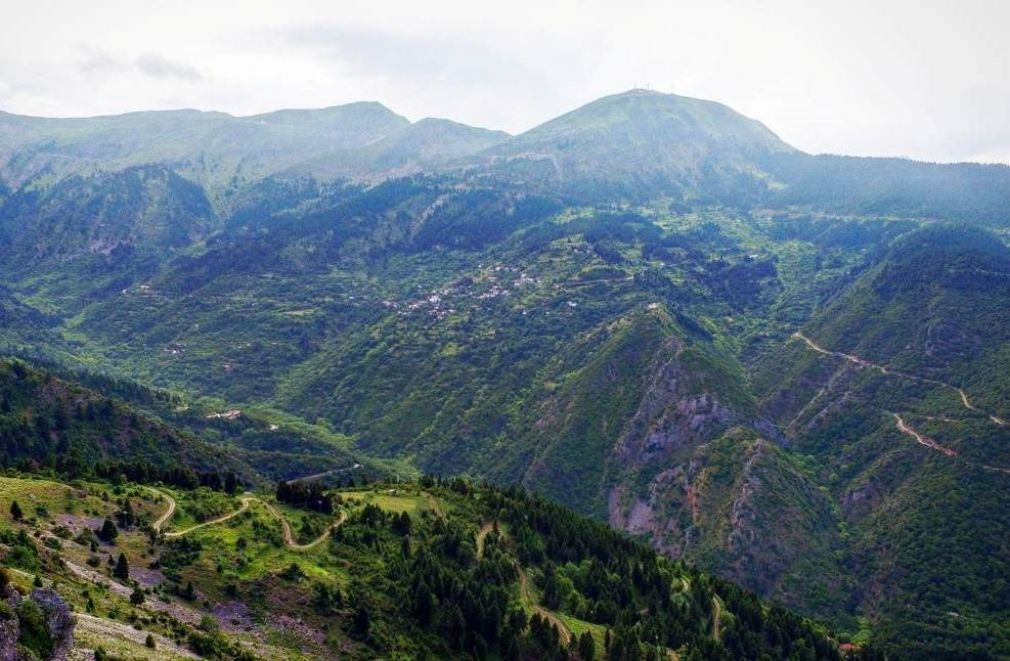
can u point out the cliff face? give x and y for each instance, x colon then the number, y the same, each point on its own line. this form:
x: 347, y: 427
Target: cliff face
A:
x: 695, y: 476
x: 670, y: 416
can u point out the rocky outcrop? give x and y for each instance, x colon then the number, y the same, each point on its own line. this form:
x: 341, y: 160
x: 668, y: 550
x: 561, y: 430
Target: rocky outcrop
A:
x: 59, y: 621
x: 10, y: 629
x: 56, y: 616
x: 9, y: 632
x: 674, y: 417
x: 669, y: 416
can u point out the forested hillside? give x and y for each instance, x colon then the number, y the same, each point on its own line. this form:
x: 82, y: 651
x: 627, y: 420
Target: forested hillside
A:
x: 786, y: 369
x: 430, y: 570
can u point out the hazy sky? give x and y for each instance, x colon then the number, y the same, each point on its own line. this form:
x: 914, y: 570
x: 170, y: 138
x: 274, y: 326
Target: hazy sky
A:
x: 928, y: 79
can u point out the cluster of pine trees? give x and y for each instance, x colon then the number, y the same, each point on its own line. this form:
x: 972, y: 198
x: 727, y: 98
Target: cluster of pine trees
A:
x: 504, y: 596
x: 309, y: 495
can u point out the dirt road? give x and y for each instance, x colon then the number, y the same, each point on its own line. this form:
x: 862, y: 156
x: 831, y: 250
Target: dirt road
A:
x: 244, y: 500
x: 965, y: 401
x: 920, y: 439
x: 168, y: 512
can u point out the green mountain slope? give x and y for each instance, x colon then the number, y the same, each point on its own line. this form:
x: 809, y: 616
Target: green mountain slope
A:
x: 446, y: 570
x: 599, y: 310
x: 45, y: 421
x: 641, y: 142
x: 896, y: 391
x: 107, y: 216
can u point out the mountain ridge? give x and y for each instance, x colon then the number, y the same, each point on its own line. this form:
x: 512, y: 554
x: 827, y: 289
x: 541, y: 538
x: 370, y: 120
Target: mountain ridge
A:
x: 788, y: 369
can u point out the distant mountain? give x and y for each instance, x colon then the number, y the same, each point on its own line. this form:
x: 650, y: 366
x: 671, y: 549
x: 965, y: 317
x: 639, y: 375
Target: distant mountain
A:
x: 891, y: 187
x: 427, y: 144
x: 225, y: 154
x: 642, y: 142
x: 210, y: 147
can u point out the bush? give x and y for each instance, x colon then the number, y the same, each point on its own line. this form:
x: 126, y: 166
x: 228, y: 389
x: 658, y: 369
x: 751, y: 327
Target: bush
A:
x: 34, y: 633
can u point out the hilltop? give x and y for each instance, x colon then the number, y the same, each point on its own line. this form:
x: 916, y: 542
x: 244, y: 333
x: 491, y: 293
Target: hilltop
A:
x: 448, y: 570
x: 641, y: 143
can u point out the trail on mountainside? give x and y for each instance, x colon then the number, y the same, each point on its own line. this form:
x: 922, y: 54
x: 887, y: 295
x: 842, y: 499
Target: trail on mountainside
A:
x: 167, y: 513
x: 318, y: 476
x: 289, y: 539
x: 481, y: 536
x: 564, y: 632
x: 246, y: 500
x: 883, y: 370
x: 920, y: 439
x: 900, y: 423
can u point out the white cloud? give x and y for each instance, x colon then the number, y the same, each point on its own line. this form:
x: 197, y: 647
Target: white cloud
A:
x: 101, y: 63
x: 159, y: 66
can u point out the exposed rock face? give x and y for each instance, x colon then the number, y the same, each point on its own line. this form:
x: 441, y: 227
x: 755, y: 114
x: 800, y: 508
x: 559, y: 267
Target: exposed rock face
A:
x: 59, y: 621
x: 668, y: 417
x: 9, y: 631
x: 9, y: 627
x: 862, y: 500
x: 671, y: 422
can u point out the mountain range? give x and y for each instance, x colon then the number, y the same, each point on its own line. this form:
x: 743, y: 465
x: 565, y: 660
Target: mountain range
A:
x: 787, y: 369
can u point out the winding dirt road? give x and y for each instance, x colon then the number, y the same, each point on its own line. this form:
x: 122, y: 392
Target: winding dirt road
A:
x: 168, y: 512
x: 564, y: 633
x: 883, y: 370
x: 246, y: 500
x: 920, y: 439
x: 289, y: 538
x: 319, y: 476
x: 900, y: 423
x: 481, y: 536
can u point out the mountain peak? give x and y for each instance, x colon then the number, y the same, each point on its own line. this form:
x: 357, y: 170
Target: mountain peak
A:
x: 678, y: 117
x: 642, y: 141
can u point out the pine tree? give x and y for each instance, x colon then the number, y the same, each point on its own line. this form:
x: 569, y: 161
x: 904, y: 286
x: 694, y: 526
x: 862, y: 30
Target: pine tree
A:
x: 16, y: 512
x: 122, y: 570
x: 126, y: 516
x: 362, y: 619
x: 424, y: 605
x: 402, y: 524
x: 108, y: 532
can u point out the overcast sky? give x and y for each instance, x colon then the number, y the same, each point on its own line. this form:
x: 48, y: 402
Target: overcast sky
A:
x: 927, y: 79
